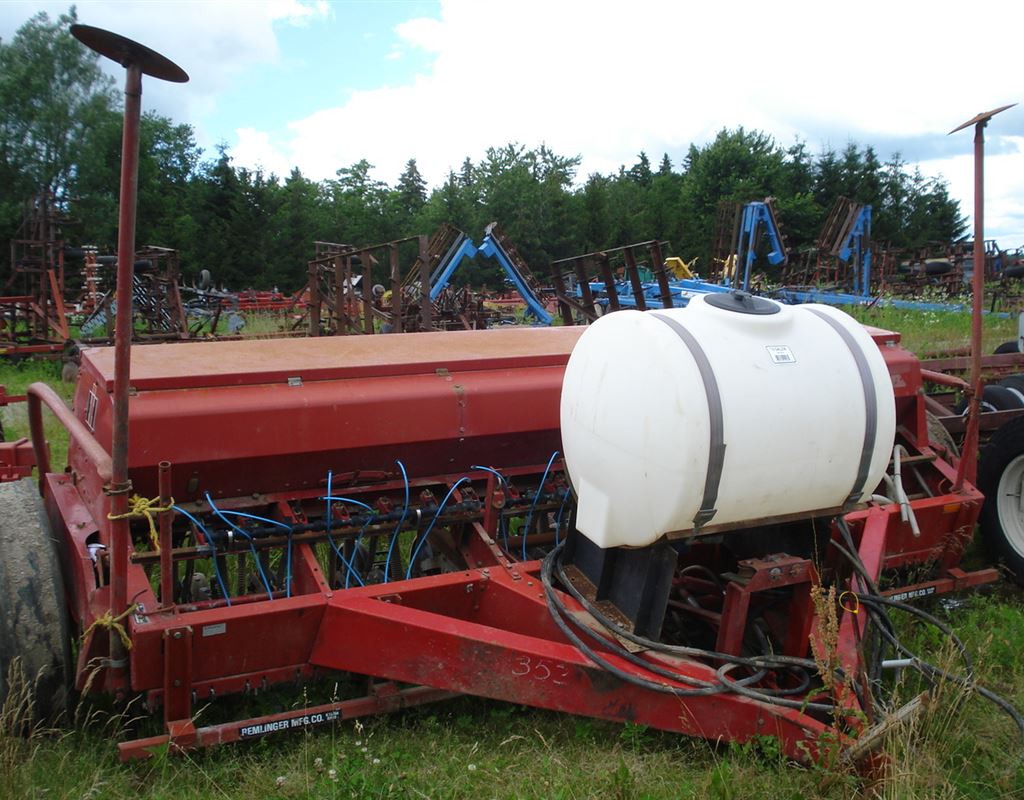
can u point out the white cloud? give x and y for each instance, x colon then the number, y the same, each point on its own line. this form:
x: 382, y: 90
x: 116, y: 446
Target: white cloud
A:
x: 1003, y: 186
x: 216, y: 43
x: 295, y: 11
x: 608, y: 79
x: 255, y: 149
x: 424, y: 32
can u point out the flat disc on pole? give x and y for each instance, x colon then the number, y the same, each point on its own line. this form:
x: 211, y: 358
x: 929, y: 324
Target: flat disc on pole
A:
x: 985, y: 116
x: 129, y: 53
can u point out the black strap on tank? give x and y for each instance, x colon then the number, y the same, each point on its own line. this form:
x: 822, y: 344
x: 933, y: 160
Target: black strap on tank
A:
x: 716, y: 454
x: 870, y: 404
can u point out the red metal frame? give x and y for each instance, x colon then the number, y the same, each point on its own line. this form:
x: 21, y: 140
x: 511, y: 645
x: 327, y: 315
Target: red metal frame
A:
x: 441, y: 402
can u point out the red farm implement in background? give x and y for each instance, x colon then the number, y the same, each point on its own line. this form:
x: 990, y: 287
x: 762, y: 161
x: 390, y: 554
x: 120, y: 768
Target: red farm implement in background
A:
x: 517, y: 514
x: 33, y: 318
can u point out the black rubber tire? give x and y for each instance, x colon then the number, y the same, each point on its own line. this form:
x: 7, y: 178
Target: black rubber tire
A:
x: 937, y: 266
x: 1015, y: 382
x: 1000, y: 470
x: 34, y: 625
x: 1007, y: 347
x: 995, y: 398
x: 69, y: 372
x: 1014, y: 272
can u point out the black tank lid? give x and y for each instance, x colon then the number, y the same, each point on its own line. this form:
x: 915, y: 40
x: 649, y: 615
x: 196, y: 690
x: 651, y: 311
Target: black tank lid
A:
x: 742, y: 303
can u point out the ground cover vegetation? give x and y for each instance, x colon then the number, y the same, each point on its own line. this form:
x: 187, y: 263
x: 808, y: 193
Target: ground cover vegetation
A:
x: 60, y: 128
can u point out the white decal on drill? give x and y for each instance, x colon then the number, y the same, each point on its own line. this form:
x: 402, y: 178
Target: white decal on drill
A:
x: 91, y: 404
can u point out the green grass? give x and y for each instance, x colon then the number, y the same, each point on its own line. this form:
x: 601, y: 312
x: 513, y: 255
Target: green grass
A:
x: 960, y: 747
x: 933, y: 332
x: 15, y: 378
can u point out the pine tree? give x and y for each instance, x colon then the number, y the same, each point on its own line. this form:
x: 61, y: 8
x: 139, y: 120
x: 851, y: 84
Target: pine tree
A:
x: 412, y: 189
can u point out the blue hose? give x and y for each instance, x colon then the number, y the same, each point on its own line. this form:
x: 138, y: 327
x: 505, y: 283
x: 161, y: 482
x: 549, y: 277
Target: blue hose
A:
x: 213, y: 547
x: 252, y: 547
x: 536, y: 497
x: 327, y: 514
x: 355, y: 550
x: 354, y: 502
x: 561, y: 509
x: 288, y: 557
x: 430, y: 527
x: 502, y: 522
x: 351, y: 570
x: 398, y: 528
x: 494, y: 472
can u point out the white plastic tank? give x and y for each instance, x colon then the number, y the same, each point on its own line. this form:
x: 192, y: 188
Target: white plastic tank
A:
x: 733, y: 409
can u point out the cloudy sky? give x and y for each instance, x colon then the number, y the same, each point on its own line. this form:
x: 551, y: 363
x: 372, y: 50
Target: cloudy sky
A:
x: 320, y: 85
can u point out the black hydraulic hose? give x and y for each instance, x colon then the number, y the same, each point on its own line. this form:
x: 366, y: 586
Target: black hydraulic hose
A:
x: 556, y: 608
x: 773, y: 697
x: 931, y: 620
x: 878, y: 605
x: 771, y: 662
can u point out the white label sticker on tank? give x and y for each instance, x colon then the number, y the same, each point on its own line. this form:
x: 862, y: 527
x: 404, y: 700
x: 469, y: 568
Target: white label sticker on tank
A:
x: 780, y: 353
x: 215, y: 630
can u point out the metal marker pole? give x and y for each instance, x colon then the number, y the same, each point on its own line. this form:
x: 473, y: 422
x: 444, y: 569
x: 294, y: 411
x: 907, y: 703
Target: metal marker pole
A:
x: 120, y: 486
x: 968, y: 467
x: 137, y: 60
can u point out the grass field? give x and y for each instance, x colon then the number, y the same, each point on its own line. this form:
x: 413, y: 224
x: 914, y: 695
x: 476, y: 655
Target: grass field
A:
x: 960, y: 747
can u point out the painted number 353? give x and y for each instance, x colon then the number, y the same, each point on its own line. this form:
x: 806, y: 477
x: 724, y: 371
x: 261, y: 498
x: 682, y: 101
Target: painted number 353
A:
x: 541, y: 670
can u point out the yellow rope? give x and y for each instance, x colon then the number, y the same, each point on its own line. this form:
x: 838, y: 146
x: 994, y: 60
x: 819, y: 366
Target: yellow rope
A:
x: 110, y: 622
x: 141, y: 507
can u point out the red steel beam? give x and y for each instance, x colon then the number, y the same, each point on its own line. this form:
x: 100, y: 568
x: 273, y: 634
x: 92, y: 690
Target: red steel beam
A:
x: 526, y: 662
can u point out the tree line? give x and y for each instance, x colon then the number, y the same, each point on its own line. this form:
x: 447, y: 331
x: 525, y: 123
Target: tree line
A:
x: 60, y: 131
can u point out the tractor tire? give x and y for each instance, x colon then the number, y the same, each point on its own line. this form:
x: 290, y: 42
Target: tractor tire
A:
x: 69, y: 372
x: 1007, y: 347
x: 1001, y: 480
x: 937, y: 266
x: 995, y: 398
x: 1015, y: 383
x: 34, y: 624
